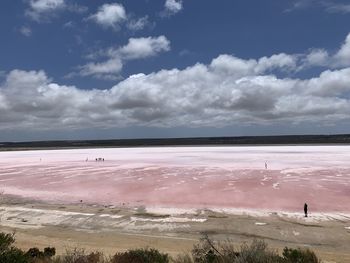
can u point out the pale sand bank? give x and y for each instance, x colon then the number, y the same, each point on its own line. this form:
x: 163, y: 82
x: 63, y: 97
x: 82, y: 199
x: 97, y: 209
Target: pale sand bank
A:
x: 112, y: 229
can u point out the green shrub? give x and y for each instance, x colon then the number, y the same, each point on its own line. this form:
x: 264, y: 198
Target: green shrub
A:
x: 34, y: 253
x: 49, y: 252
x: 206, y: 251
x: 79, y: 256
x: 185, y: 258
x: 299, y: 256
x: 9, y: 253
x: 141, y: 256
x: 13, y: 255
x: 6, y: 240
x: 257, y: 252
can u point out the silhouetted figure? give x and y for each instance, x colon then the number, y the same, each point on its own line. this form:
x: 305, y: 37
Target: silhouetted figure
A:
x: 265, y: 165
x: 305, y: 209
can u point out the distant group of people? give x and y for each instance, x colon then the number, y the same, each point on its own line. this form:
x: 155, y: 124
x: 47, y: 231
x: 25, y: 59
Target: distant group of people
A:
x: 96, y: 159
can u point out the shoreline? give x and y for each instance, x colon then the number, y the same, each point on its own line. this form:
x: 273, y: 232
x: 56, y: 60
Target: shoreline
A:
x: 111, y: 229
x: 159, y: 210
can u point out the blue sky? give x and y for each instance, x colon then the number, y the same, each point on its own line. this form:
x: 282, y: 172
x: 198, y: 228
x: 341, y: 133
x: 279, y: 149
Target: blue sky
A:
x: 73, y: 69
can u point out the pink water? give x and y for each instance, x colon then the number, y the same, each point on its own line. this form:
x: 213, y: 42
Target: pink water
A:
x: 230, y: 177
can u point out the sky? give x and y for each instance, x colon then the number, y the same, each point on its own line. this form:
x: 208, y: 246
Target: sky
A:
x: 100, y: 69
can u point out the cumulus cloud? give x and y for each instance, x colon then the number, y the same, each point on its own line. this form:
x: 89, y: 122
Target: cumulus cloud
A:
x: 136, y: 48
x: 200, y: 95
x: 321, y: 57
x: 172, y: 7
x: 103, y: 70
x: 227, y: 91
x: 316, y: 57
x: 110, y: 16
x: 43, y: 10
x: 136, y: 24
x: 113, y: 16
x: 39, y: 9
x: 144, y: 47
x: 342, y: 57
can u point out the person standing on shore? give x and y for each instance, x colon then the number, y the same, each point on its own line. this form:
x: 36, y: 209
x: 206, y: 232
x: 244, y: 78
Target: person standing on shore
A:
x: 305, y: 209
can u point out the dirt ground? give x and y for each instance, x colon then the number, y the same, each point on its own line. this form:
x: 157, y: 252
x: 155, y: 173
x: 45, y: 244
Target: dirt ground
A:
x: 112, y: 229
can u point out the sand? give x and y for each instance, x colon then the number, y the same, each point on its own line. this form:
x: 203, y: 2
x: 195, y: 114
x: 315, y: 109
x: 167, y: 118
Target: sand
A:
x: 166, y: 197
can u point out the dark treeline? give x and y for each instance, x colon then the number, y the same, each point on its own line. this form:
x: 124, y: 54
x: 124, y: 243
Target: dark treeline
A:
x: 244, y: 140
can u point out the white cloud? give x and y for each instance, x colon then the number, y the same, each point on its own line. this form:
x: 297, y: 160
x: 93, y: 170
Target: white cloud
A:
x: 138, y: 24
x: 239, y: 67
x: 201, y: 95
x: 280, y: 61
x: 330, y: 83
x: 109, y: 69
x: 137, y: 48
x: 25, y: 31
x: 227, y: 64
x: 114, y: 15
x: 226, y: 92
x: 342, y: 57
x: 110, y: 16
x: 172, y: 6
x: 330, y: 6
x: 337, y: 8
x: 321, y: 57
x: 39, y: 9
x: 43, y: 10
x: 317, y: 57
x: 144, y: 47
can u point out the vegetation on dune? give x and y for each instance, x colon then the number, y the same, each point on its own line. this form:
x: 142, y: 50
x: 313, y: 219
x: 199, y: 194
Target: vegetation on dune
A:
x: 206, y: 251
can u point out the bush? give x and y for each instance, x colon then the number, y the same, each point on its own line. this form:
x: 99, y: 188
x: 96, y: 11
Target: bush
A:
x: 13, y: 255
x: 183, y: 259
x: 9, y: 253
x: 257, y: 252
x: 299, y: 256
x: 6, y: 240
x: 34, y: 253
x: 141, y: 256
x: 79, y: 256
x: 49, y: 252
x: 206, y: 251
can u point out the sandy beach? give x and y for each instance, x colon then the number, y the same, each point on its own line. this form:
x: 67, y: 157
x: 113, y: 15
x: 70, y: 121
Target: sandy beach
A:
x: 167, y: 197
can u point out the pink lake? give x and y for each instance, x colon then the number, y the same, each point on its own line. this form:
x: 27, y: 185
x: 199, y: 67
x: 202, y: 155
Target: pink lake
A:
x: 185, y: 177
